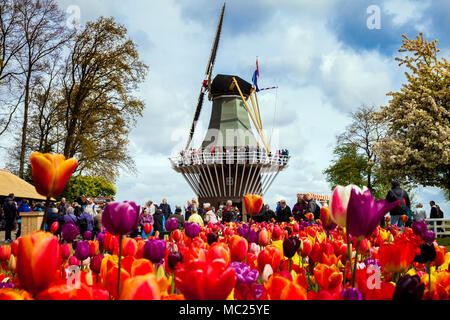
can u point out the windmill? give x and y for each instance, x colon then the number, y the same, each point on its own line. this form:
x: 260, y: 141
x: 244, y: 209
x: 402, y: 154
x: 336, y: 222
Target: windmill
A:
x: 232, y: 161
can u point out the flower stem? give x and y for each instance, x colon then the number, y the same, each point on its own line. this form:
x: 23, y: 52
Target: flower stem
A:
x: 358, y: 242
x: 429, y: 276
x: 349, y: 257
x: 46, y: 207
x: 120, y: 260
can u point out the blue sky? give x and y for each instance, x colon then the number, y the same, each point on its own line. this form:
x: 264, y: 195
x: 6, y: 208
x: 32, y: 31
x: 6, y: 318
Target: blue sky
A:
x: 321, y: 54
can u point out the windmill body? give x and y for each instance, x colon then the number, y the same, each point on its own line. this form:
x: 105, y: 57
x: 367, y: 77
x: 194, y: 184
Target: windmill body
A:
x: 232, y: 161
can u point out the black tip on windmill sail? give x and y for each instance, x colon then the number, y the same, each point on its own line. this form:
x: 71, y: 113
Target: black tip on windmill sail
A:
x: 223, y: 85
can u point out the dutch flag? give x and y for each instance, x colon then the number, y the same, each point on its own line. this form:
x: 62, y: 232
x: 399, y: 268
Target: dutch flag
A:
x: 256, y: 76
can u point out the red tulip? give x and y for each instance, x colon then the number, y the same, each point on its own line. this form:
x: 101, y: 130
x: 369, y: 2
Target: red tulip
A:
x: 65, y: 251
x: 396, y: 257
x: 93, y: 248
x: 12, y: 294
x: 51, y: 173
x: 54, y: 227
x: 201, y: 280
x: 147, y: 228
x: 5, y: 252
x: 15, y: 247
x: 239, y: 248
x: 65, y: 292
x: 270, y: 255
x: 129, y: 247
x: 328, y: 277
x: 37, y: 261
x: 253, y: 204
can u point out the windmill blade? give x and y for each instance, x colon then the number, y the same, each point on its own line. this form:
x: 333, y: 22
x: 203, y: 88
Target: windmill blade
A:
x: 207, y: 83
x: 196, y: 117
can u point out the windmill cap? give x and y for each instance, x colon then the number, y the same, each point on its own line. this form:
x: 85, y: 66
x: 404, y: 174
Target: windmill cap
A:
x: 222, y: 84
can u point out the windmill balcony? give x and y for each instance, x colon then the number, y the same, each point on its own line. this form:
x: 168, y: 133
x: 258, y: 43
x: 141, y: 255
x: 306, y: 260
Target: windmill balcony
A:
x: 189, y: 158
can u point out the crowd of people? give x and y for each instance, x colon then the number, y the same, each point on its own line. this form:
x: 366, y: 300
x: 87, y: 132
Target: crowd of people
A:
x: 245, y: 154
x: 87, y: 214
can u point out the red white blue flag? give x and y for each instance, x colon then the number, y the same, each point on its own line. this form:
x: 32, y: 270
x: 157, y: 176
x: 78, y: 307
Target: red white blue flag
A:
x: 256, y: 76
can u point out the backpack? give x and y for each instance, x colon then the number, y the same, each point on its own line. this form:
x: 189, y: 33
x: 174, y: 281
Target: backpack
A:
x: 316, y: 211
x: 83, y: 224
x: 402, y: 208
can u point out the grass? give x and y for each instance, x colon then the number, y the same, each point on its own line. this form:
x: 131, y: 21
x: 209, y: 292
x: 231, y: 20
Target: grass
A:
x: 444, y: 242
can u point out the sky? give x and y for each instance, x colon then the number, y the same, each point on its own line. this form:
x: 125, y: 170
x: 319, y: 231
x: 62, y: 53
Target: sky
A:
x: 323, y: 55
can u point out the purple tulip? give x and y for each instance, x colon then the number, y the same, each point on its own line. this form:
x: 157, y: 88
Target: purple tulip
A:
x: 244, y: 274
x: 419, y: 227
x: 409, y: 288
x: 121, y: 218
x: 4, y: 285
x: 69, y: 231
x: 252, y: 236
x: 191, y: 229
x: 82, y: 250
x: 427, y: 253
x: 352, y: 294
x: 212, y: 237
x: 173, y: 259
x: 96, y: 263
x: 171, y: 225
x: 242, y: 231
x: 371, y: 261
x: 100, y: 238
x: 155, y: 250
x: 291, y: 246
x: 364, y: 213
x: 87, y: 235
x: 428, y: 236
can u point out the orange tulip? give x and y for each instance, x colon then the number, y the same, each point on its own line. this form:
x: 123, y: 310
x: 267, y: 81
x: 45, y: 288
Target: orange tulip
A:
x: 328, y: 277
x: 309, y: 216
x: 219, y: 250
x: 281, y: 288
x: 253, y: 204
x: 239, y: 248
x: 140, y: 288
x: 396, y: 257
x: 37, y: 261
x: 264, y: 237
x: 12, y: 294
x: 404, y: 218
x: 51, y: 172
x: 93, y: 248
x: 129, y: 247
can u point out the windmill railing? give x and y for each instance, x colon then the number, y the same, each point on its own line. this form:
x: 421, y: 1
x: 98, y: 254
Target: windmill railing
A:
x: 232, y: 157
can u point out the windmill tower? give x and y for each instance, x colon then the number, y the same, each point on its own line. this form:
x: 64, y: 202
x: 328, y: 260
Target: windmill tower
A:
x: 232, y: 161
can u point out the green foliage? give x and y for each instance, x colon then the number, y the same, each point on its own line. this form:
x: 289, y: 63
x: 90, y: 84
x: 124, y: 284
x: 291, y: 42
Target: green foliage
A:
x: 88, y: 186
x: 347, y: 168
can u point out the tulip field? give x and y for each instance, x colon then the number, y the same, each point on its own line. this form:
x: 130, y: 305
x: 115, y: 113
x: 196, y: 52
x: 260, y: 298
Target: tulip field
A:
x: 299, y: 260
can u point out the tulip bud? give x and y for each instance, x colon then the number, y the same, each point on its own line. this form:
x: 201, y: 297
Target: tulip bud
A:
x: 65, y: 251
x: 54, y: 227
x: 212, y: 237
x: 428, y: 236
x: 173, y: 259
x: 409, y: 288
x: 266, y: 273
x: 12, y: 263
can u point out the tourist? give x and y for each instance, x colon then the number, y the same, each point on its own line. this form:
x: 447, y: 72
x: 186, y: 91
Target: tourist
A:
x: 210, y: 216
x: 284, y: 213
x: 299, y: 209
x: 165, y: 208
x: 146, y: 217
x: 62, y: 206
x: 158, y: 221
x: 228, y: 213
x: 398, y: 194
x: 187, y: 210
x: 24, y: 207
x: 98, y: 227
x: 195, y: 217
x: 10, y: 213
x: 178, y: 215
x: 70, y: 215
x: 420, y: 213
x: 150, y: 208
x: 312, y: 206
x: 86, y: 221
x: 268, y: 214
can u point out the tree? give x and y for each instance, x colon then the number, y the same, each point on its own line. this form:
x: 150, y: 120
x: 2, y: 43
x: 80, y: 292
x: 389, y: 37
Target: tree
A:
x: 98, y: 108
x: 88, y: 186
x: 41, y: 25
x: 417, y: 148
x: 356, y: 161
x: 347, y: 168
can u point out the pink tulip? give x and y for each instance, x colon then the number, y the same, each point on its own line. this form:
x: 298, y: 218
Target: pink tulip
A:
x: 339, y: 203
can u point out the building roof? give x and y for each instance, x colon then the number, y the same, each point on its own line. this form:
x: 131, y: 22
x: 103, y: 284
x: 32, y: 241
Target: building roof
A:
x: 10, y: 183
x: 222, y: 85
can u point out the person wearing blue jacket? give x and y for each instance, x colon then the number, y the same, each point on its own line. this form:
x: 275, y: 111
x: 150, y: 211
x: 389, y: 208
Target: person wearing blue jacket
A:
x: 24, y: 207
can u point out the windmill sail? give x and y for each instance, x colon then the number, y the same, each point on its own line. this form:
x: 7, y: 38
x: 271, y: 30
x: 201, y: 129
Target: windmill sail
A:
x: 207, y: 83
